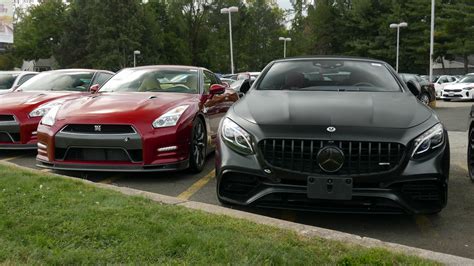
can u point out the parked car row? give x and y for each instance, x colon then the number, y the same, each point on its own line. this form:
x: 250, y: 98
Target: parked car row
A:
x: 462, y: 89
x: 333, y: 134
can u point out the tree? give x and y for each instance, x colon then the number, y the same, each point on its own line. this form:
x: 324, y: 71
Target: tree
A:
x: 456, y: 26
x: 37, y: 33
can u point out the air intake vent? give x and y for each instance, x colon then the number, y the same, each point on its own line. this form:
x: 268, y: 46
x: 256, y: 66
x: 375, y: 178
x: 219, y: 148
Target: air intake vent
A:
x: 7, y: 118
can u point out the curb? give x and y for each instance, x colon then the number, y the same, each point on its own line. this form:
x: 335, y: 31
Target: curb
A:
x: 303, y: 230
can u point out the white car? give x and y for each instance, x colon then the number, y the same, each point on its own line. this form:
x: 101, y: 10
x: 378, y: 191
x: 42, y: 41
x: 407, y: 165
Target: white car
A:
x: 10, y: 80
x: 442, y: 82
x: 462, y: 90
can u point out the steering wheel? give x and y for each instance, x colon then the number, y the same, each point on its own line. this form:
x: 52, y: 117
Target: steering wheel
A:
x: 364, y: 84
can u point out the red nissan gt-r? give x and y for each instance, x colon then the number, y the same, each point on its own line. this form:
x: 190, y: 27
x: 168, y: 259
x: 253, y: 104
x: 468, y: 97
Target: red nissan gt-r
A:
x: 146, y: 119
x: 21, y: 110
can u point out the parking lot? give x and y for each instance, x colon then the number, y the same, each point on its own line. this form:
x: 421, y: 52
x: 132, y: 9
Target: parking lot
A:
x: 451, y: 231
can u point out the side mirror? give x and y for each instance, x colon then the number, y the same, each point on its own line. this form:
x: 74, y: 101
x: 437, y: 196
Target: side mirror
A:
x: 216, y: 89
x: 94, y: 88
x: 414, y: 87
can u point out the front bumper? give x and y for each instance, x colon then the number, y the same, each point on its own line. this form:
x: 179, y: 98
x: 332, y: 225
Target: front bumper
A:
x: 415, y: 187
x: 15, y: 135
x: 112, y: 167
x: 117, y: 152
x: 457, y: 94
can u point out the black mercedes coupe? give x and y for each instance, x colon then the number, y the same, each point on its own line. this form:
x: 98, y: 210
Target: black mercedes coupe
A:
x: 333, y: 134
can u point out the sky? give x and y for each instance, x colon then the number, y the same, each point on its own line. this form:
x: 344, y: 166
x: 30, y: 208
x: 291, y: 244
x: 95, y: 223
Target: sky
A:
x: 285, y: 4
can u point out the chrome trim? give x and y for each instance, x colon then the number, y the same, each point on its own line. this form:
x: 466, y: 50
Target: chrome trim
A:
x: 92, y: 134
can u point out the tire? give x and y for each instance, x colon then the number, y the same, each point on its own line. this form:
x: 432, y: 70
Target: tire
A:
x: 424, y: 98
x: 470, y: 154
x: 198, y: 150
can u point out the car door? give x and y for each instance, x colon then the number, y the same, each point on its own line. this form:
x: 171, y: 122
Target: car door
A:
x: 213, y: 103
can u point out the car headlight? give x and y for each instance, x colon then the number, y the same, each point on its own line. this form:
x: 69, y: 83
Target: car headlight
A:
x: 428, y: 141
x: 50, y: 118
x: 44, y: 108
x: 236, y: 138
x: 468, y: 88
x: 170, y: 118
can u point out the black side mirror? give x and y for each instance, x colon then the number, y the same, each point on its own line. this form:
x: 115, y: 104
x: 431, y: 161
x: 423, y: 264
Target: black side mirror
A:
x: 414, y: 87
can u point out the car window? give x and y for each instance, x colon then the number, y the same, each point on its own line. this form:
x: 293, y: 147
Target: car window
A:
x: 209, y: 79
x: 154, y: 80
x: 59, y: 81
x: 101, y: 78
x: 329, y: 75
x: 467, y: 79
x: 7, y: 80
x: 25, y: 78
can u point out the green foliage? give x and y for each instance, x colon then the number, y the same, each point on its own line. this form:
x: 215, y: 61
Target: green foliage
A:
x: 104, y: 34
x: 38, y: 32
x: 50, y: 220
x: 457, y: 29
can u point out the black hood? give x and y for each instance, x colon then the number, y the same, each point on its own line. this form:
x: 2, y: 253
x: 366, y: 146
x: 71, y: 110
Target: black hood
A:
x: 395, y: 110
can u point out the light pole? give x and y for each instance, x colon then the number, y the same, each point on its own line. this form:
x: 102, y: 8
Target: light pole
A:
x: 398, y: 26
x: 135, y: 53
x: 230, y: 10
x: 432, y: 38
x: 284, y: 44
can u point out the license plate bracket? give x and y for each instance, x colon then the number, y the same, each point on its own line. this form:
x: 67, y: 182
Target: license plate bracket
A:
x: 331, y: 188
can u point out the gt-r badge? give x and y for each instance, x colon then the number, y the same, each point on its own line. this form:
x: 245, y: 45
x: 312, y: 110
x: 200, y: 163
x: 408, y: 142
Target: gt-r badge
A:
x: 331, y: 129
x: 97, y: 128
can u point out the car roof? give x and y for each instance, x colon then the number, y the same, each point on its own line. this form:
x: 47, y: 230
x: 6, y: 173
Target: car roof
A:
x: 18, y: 72
x: 333, y: 57
x: 168, y: 66
x: 69, y: 70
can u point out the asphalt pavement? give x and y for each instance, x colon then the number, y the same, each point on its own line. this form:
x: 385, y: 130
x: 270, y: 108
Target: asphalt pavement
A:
x: 451, y: 231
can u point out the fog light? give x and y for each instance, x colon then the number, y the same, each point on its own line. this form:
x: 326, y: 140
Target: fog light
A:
x: 166, y: 149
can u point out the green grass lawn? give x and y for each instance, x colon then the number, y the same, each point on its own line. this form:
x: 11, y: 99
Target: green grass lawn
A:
x: 49, y: 220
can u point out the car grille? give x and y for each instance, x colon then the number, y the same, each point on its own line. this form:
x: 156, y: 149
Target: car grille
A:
x: 454, y: 90
x: 360, y: 157
x: 98, y: 155
x: 99, y: 129
x: 7, y: 118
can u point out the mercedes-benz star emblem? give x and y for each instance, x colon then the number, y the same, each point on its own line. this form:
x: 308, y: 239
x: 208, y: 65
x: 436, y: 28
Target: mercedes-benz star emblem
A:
x: 330, y: 159
x: 97, y: 128
x: 331, y: 129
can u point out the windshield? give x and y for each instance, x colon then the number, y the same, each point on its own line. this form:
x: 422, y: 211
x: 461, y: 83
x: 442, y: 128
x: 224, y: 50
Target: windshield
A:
x: 154, y: 80
x: 7, y: 80
x: 467, y: 79
x: 329, y: 75
x: 59, y: 81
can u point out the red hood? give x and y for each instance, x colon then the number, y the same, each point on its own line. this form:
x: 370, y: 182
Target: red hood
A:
x: 27, y: 101
x: 124, y: 107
